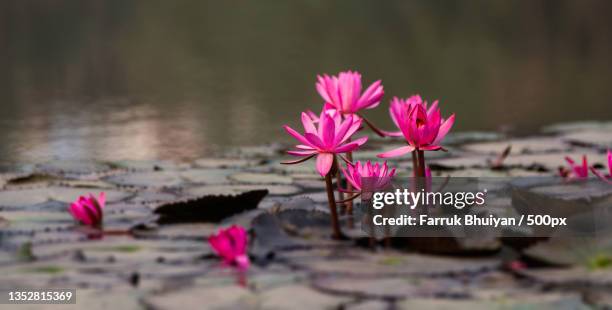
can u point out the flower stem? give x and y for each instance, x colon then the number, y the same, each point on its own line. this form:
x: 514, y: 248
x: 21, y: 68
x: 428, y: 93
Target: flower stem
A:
x: 415, y: 163
x: 421, y: 165
x: 339, y: 187
x: 332, y: 206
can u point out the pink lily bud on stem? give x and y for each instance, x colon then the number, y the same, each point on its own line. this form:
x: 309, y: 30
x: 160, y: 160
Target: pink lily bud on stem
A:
x: 231, y: 245
x: 423, y: 129
x: 89, y: 210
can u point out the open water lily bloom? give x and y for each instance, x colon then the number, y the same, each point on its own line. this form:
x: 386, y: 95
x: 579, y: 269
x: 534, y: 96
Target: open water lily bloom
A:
x: 89, y: 210
x: 375, y: 176
x: 577, y: 171
x: 325, y: 138
x: 422, y: 127
x: 231, y: 245
x: 343, y: 92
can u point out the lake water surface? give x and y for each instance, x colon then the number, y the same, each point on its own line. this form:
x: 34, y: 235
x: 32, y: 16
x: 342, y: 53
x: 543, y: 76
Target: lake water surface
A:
x: 180, y: 79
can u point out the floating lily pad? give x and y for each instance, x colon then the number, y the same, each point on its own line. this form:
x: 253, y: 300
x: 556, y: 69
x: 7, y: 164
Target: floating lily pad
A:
x: 599, y: 138
x: 371, y: 304
x: 352, y: 262
x: 148, y: 179
x: 281, y: 190
x: 533, y: 301
x: 125, y: 249
x: 550, y: 161
x: 467, y: 161
x: 209, y: 208
x: 226, y: 162
x: 207, y: 176
x: 594, y: 253
x: 455, y: 138
x: 73, y: 167
x: 261, y: 178
x: 150, y: 165
x: 270, y: 237
x: 214, y: 297
x: 578, y: 126
x: 33, y: 196
x: 390, y: 288
x: 520, y: 146
x: 299, y: 296
x: 178, y: 231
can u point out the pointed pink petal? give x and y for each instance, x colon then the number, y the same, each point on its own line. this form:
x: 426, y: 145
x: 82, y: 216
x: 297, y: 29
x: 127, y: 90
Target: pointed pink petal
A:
x: 444, y: 129
x: 397, y: 152
x: 308, y: 124
x: 352, y: 145
x: 610, y: 163
x: 371, y: 96
x: 322, y: 89
x: 296, y: 135
x: 329, y: 130
x: 102, y: 199
x: 324, y: 163
x: 600, y: 175
x: 301, y: 153
x: 314, y: 140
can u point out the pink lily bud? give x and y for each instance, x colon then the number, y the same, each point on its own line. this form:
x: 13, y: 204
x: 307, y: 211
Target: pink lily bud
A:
x: 379, y: 174
x: 577, y: 172
x: 89, y: 210
x: 422, y: 127
x: 324, y: 139
x: 343, y: 92
x: 231, y: 245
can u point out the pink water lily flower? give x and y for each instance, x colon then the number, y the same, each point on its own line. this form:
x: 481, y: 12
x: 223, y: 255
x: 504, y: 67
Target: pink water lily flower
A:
x: 231, y: 245
x: 606, y: 178
x: 378, y: 176
x: 89, y: 210
x: 422, y: 127
x: 577, y: 172
x: 343, y: 92
x: 400, y: 108
x: 325, y: 138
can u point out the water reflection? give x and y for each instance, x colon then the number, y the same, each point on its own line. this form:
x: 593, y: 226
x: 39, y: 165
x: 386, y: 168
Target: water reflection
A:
x: 160, y: 79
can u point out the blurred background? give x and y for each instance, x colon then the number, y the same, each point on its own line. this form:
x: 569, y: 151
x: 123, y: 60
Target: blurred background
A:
x: 181, y: 79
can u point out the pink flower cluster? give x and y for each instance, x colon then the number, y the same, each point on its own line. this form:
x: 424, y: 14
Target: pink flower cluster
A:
x: 580, y: 171
x: 378, y: 176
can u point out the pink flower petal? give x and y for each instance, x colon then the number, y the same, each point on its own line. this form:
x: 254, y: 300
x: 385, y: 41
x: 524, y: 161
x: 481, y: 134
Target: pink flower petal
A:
x: 397, y: 152
x: 324, y: 163
x: 296, y: 135
x: 444, y: 129
x: 352, y: 145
